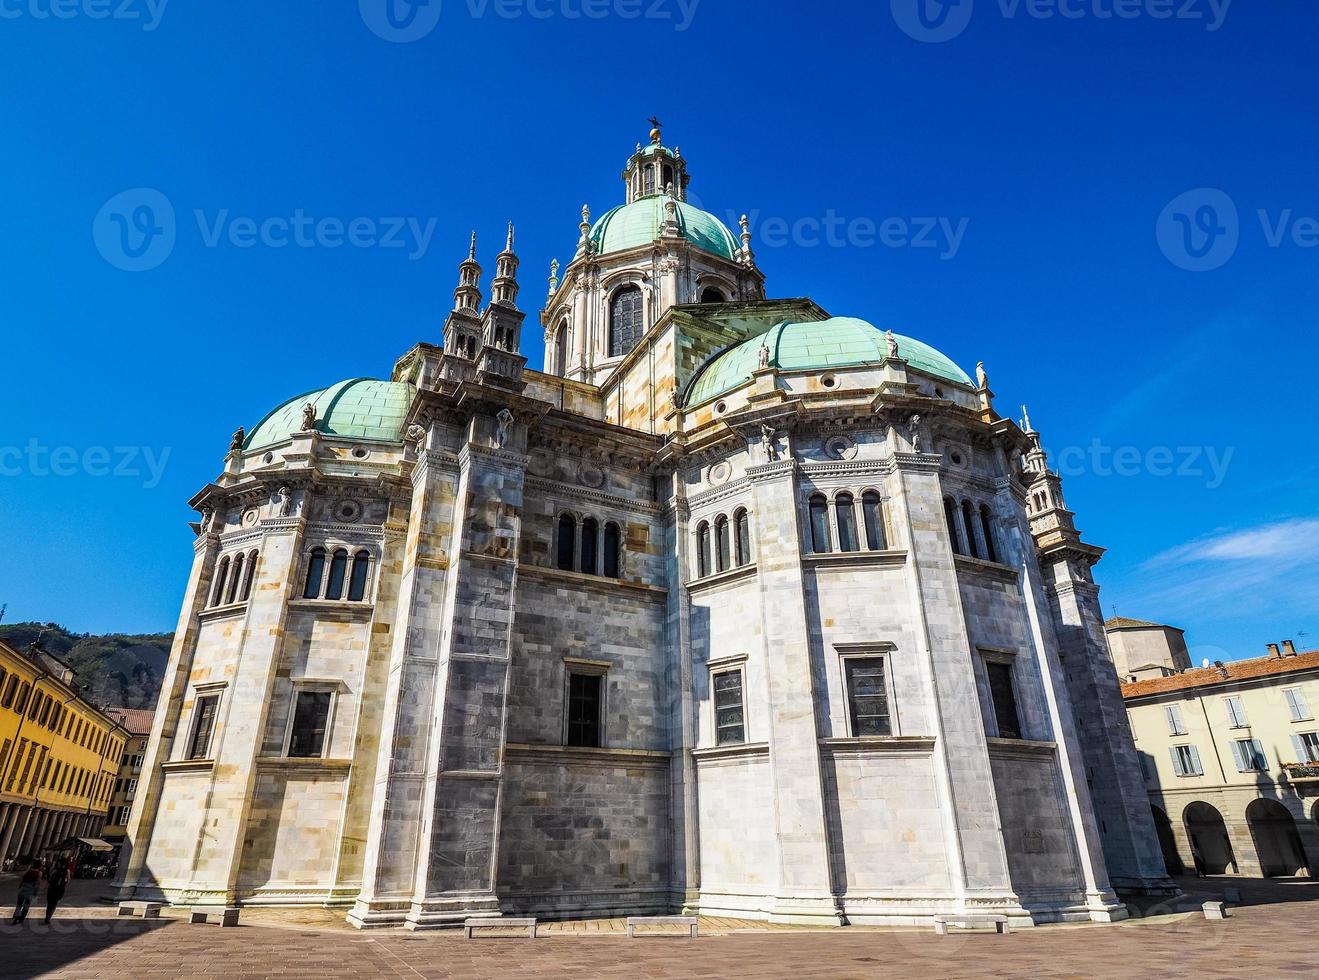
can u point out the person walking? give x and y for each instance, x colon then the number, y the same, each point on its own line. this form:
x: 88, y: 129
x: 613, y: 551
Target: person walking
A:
x: 55, y: 886
x: 27, y: 890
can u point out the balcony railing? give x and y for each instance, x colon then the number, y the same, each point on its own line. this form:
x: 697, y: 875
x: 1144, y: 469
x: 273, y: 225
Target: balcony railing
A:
x: 1302, y: 772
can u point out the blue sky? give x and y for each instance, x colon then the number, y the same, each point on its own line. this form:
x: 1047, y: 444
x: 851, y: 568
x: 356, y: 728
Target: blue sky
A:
x: 1029, y: 173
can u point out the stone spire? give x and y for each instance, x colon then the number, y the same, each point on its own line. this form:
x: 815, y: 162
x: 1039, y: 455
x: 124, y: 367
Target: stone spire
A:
x: 468, y: 294
x: 554, y: 276
x: 504, y: 287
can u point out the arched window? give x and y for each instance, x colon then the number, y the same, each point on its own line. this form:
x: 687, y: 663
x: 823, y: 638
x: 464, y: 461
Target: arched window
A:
x: 845, y: 508
x: 969, y: 523
x: 315, y: 572
x: 668, y: 177
x: 625, y: 311
x: 987, y: 525
x: 235, y: 578
x: 950, y: 515
x: 567, y: 534
x: 561, y: 349
x: 648, y: 180
x: 357, y: 583
x: 250, y: 577
x: 711, y: 295
x: 590, y: 562
x: 221, y: 574
x: 872, y: 513
x: 613, y: 549
x: 742, y: 532
x: 819, y: 508
x: 338, y: 571
x: 722, y: 543
x: 702, y: 550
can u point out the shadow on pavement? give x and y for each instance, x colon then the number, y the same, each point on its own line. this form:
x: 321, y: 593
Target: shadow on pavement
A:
x: 33, y: 947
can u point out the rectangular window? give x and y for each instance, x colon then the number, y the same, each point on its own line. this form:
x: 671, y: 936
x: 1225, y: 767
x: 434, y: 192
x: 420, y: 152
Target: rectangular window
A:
x: 729, y: 716
x: 1146, y: 765
x: 203, y: 725
x: 1300, y: 711
x: 1307, y: 746
x: 867, y: 696
x: 1004, y: 696
x: 1175, y: 725
x: 1186, y: 760
x: 311, y: 716
x: 1236, y: 714
x: 584, y: 692
x: 1249, y: 754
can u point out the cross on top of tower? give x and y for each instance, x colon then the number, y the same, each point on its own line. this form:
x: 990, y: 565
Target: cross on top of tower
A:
x: 655, y: 127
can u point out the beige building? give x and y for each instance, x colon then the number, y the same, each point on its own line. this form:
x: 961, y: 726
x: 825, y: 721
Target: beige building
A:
x: 1141, y: 650
x: 137, y: 722
x: 1229, y: 753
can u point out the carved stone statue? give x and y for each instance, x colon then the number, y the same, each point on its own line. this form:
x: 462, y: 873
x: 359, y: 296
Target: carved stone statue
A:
x: 416, y: 436
x: 236, y: 442
x: 767, y: 435
x: 204, y: 525
x: 892, y: 343
x: 505, y: 420
x: 308, y: 417
x: 285, y: 497
x: 764, y: 355
x: 982, y: 377
x: 914, y: 430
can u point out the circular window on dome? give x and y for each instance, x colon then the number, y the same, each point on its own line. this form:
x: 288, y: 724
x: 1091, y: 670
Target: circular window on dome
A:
x: 828, y: 381
x: 721, y: 408
x: 360, y: 453
x: 347, y: 511
x: 269, y: 458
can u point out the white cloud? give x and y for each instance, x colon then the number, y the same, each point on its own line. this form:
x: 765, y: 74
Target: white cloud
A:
x: 1291, y: 541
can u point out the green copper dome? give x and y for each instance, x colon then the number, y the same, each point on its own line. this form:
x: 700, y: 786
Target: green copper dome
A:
x: 639, y: 223
x: 360, y: 408
x: 838, y: 342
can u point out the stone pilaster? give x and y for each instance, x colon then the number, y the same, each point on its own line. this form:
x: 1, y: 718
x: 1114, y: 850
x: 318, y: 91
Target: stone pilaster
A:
x: 805, y: 892
x: 685, y: 879
x: 455, y: 877
x: 394, y: 845
x: 977, y: 859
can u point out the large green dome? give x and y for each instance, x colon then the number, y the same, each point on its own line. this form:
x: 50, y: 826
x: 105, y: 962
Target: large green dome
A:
x: 639, y: 223
x: 360, y: 408
x: 840, y: 341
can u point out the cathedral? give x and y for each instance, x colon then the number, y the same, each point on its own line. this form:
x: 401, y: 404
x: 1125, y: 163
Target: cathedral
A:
x: 740, y: 606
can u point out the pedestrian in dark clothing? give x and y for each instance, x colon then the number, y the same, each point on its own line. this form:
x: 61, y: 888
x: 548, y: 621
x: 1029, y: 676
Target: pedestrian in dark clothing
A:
x: 55, y: 886
x: 27, y: 890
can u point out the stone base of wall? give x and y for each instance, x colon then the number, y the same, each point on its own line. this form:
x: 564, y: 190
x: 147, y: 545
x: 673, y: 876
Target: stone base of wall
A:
x: 378, y: 914
x: 605, y: 903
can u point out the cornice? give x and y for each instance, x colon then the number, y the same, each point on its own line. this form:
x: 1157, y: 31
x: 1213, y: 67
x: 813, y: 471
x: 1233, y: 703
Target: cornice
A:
x: 596, y: 582
x: 715, y: 494
x: 556, y: 488
x: 738, y: 574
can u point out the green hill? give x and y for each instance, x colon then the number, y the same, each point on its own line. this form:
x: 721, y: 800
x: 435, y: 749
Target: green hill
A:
x: 119, y: 669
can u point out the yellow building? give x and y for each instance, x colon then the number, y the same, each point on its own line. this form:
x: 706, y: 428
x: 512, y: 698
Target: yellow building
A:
x: 58, y: 755
x: 137, y: 722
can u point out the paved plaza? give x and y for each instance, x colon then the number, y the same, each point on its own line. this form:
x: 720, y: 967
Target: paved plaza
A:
x: 1271, y: 935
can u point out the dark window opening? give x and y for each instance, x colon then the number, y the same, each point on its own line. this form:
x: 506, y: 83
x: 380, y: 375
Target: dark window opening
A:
x: 311, y: 713
x: 711, y: 295
x: 590, y: 529
x: 730, y: 719
x: 987, y: 525
x: 1004, y: 696
x: 203, y: 726
x: 723, y: 545
x: 703, y: 550
x: 613, y: 549
x: 873, y: 515
x: 950, y: 514
x: 743, y: 527
x: 867, y: 697
x: 567, y: 532
x: 584, y: 709
x: 845, y: 509
x: 315, y: 572
x: 969, y: 524
x: 819, y: 510
x: 625, y: 320
x: 338, y: 570
x: 357, y: 583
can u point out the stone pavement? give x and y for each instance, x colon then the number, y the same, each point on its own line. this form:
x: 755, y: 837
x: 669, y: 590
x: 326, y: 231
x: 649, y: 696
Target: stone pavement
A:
x: 1272, y: 935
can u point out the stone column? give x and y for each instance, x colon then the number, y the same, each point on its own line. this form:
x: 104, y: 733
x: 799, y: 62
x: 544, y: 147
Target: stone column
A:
x: 394, y: 847
x: 464, y: 774
x: 174, y: 684
x: 977, y: 859
x: 14, y: 832
x: 683, y: 812
x: 804, y: 893
x: 35, y: 827
x: 1131, y: 845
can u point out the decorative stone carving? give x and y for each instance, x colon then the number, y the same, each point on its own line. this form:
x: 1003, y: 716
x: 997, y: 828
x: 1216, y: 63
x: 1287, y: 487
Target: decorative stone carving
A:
x: 284, y: 496
x: 764, y: 356
x: 308, y: 417
x: 347, y: 511
x: 767, y: 436
x: 840, y: 447
x: 591, y: 476
x: 892, y: 342
x: 237, y: 439
x: 416, y: 436
x: 505, y: 430
x: 914, y: 432
x: 982, y: 377
x: 719, y: 474
x: 251, y: 516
